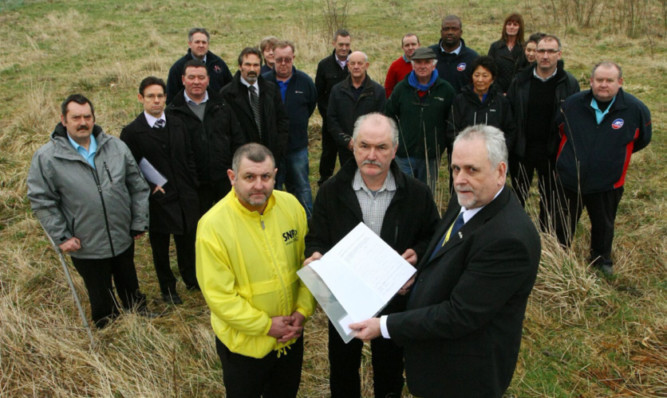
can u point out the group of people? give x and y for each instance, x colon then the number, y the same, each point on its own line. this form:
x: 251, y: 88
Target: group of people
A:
x: 207, y: 159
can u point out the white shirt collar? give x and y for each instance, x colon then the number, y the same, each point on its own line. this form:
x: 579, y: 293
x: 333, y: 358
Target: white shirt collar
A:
x: 457, y: 51
x: 541, y: 78
x: 152, y: 119
x: 190, y: 100
x: 468, y: 214
x: 245, y: 83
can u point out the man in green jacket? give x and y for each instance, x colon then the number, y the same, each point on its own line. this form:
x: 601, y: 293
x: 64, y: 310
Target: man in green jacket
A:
x: 420, y: 103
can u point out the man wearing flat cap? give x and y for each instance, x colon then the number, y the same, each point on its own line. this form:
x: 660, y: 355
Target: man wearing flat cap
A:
x: 420, y: 104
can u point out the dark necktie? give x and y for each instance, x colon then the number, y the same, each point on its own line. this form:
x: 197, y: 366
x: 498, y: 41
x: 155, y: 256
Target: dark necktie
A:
x: 254, y: 104
x: 159, y: 124
x: 458, y: 223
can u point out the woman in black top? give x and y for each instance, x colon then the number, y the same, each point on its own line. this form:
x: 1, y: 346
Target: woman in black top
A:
x: 508, y: 51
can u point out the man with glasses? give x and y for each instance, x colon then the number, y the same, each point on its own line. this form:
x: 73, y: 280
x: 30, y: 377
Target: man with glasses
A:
x: 536, y: 94
x: 299, y: 95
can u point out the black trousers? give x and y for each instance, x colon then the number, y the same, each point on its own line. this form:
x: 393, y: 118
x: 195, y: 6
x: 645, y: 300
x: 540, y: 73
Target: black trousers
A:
x: 185, y: 255
x: 521, y: 173
x: 345, y: 155
x: 97, y: 275
x: 328, y: 155
x: 601, y: 208
x: 274, y: 376
x: 345, y: 360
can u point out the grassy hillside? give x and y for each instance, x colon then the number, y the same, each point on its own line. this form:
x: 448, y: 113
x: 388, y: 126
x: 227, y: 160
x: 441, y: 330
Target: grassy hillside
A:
x: 584, y: 335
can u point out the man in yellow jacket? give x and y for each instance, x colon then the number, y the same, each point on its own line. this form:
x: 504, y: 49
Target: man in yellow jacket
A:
x: 249, y: 247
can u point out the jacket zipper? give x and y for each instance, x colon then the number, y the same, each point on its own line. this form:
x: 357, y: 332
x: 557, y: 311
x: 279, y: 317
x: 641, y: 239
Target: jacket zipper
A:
x: 275, y: 265
x: 104, y: 208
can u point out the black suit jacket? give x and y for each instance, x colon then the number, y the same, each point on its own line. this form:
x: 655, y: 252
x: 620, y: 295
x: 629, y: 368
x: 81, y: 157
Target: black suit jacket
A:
x: 168, y: 149
x: 462, y: 328
x: 275, y: 122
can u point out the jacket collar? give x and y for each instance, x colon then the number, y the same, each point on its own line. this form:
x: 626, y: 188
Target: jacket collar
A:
x: 453, y: 210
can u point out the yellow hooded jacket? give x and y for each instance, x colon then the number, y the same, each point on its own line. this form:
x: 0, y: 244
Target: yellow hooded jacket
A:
x: 246, y: 268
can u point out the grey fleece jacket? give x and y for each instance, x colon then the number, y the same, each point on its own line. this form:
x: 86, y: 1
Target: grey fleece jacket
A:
x: 97, y: 205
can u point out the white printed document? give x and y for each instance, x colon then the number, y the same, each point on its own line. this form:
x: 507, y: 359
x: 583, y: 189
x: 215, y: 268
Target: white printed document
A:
x: 356, y: 278
x: 151, y: 174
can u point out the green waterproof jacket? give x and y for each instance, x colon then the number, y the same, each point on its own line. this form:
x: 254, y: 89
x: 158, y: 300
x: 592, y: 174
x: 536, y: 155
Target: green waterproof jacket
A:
x: 422, y: 121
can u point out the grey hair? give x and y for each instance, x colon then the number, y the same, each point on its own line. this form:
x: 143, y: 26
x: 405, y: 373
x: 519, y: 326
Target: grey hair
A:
x: 254, y: 152
x: 360, y: 52
x: 608, y: 64
x: 433, y: 61
x: 377, y: 118
x: 198, y: 30
x: 493, y: 138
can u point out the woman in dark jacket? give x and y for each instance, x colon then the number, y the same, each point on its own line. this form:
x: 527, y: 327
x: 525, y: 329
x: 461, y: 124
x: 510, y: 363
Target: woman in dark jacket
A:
x: 482, y: 102
x: 508, y: 51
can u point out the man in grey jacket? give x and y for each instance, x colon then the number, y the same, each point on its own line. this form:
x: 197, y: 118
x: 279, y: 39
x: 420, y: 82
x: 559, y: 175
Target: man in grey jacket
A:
x: 86, y: 190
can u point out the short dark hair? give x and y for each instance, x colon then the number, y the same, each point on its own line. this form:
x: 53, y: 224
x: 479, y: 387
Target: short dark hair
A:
x: 254, y: 152
x: 535, y: 37
x: 341, y: 33
x: 195, y: 63
x: 198, y: 30
x: 485, y: 62
x: 151, y: 81
x: 514, y: 17
x: 250, y: 50
x: 79, y: 99
x: 452, y: 18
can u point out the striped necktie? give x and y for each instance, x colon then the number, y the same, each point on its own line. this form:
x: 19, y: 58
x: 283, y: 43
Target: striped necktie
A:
x: 254, y: 104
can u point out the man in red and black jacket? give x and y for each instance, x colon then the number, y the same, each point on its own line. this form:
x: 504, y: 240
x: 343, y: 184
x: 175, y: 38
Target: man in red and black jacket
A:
x: 599, y: 131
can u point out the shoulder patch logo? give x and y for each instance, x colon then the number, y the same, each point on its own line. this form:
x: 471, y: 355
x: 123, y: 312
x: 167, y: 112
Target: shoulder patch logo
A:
x: 617, y: 124
x: 461, y: 67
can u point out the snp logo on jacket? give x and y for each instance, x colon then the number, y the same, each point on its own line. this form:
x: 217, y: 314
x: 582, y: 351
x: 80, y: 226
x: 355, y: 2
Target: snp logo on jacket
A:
x: 290, y: 236
x: 617, y: 124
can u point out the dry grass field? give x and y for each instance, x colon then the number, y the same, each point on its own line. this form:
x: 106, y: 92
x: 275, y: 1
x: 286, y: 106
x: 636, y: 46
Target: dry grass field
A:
x: 584, y: 335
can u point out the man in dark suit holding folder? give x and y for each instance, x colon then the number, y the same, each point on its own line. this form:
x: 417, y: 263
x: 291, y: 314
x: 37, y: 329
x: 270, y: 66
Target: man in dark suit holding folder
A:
x: 461, y: 331
x: 173, y: 205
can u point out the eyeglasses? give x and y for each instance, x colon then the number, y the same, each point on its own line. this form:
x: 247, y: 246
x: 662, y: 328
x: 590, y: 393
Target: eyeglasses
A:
x: 284, y: 60
x: 550, y: 51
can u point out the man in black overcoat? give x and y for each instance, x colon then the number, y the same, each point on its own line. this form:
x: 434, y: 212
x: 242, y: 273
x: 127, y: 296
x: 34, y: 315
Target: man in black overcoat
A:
x: 461, y: 331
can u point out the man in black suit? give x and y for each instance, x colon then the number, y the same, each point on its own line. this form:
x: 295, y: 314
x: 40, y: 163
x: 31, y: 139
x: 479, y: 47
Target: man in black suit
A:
x: 257, y: 104
x: 173, y: 205
x: 461, y: 331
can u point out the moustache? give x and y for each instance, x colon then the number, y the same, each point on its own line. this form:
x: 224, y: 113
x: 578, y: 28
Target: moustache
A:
x: 371, y: 162
x: 82, y: 127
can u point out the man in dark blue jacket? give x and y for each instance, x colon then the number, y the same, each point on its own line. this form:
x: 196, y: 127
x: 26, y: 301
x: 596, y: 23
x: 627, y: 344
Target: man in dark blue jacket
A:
x: 454, y: 58
x: 299, y: 95
x: 599, y: 130
x: 198, y: 40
